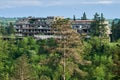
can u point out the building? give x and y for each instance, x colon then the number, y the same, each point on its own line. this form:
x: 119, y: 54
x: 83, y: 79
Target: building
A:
x: 31, y: 27
x: 36, y: 27
x: 41, y: 27
x: 83, y: 26
x: 108, y: 28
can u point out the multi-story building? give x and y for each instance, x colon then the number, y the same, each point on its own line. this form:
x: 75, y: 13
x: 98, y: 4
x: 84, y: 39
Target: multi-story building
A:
x: 32, y: 26
x: 83, y: 26
x: 37, y: 27
x: 41, y: 27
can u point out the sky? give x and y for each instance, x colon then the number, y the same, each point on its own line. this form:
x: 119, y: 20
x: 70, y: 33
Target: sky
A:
x: 66, y: 8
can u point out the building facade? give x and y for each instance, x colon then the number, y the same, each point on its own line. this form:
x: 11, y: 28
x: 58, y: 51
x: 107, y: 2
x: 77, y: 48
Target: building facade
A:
x: 83, y: 26
x: 41, y: 27
x: 36, y: 27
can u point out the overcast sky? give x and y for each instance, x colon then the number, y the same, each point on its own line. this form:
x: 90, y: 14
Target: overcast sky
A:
x: 67, y: 8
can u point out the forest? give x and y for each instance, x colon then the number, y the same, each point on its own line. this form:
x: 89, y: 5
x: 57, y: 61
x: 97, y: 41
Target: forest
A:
x: 71, y: 57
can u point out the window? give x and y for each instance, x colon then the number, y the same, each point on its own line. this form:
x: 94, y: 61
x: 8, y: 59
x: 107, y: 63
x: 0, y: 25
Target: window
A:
x: 80, y: 26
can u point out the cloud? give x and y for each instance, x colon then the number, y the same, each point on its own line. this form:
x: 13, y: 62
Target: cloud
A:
x: 74, y: 2
x: 47, y: 3
x: 19, y: 3
x: 92, y: 2
x: 105, y: 2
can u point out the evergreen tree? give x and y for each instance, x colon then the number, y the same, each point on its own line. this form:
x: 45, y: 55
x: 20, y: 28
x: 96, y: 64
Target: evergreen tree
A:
x: 101, y: 57
x: 69, y: 47
x: 10, y: 29
x: 103, y: 28
x: 116, y: 31
x: 94, y: 29
x: 74, y: 18
x: 84, y: 16
x: 98, y: 27
x: 23, y: 70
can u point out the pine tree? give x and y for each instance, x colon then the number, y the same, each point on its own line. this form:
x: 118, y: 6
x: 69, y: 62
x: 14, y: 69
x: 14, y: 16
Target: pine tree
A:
x: 103, y: 28
x: 23, y: 70
x: 94, y: 29
x: 70, y: 47
x: 116, y: 31
x: 98, y: 27
x: 84, y: 16
x: 74, y: 18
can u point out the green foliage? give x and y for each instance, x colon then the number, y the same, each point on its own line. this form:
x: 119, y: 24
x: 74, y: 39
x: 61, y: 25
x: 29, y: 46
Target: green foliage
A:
x: 115, y: 31
x: 23, y: 69
x: 99, y: 59
x: 3, y: 30
x: 101, y: 53
x: 99, y: 73
x: 98, y: 26
x: 52, y: 59
x: 7, y: 30
x: 44, y: 78
x: 84, y: 17
x: 10, y: 29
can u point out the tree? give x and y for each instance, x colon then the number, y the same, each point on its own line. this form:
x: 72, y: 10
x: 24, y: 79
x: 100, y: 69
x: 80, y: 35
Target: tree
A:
x: 116, y: 58
x: 70, y: 48
x: 44, y: 78
x: 84, y: 16
x: 100, y: 54
x: 94, y: 29
x: 99, y: 73
x: 3, y: 59
x: 23, y: 70
x: 98, y: 27
x: 10, y: 29
x: 74, y: 18
x: 103, y: 28
x: 115, y: 30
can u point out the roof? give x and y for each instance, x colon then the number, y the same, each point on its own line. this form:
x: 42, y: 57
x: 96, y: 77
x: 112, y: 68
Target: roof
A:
x: 82, y: 20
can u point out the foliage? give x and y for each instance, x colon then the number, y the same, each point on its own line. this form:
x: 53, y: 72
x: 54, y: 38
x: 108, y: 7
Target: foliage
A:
x: 70, y: 48
x: 98, y: 27
x: 43, y: 60
x: 8, y: 30
x: 84, y: 17
x: 115, y: 30
x: 67, y: 55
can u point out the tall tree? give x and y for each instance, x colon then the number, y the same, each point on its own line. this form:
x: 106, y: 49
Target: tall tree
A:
x: 69, y: 47
x: 94, y: 29
x: 74, y: 18
x: 98, y: 26
x: 115, y: 30
x: 84, y: 17
x: 103, y: 28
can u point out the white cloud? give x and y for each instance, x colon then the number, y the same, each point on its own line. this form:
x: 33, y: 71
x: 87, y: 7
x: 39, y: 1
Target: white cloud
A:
x: 97, y: 2
x: 105, y: 2
x: 19, y: 3
x: 46, y: 3
x: 74, y: 2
